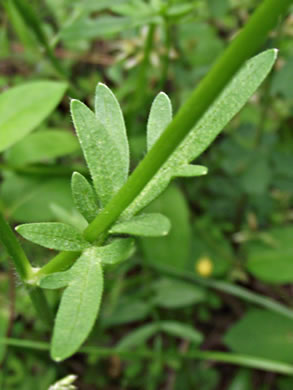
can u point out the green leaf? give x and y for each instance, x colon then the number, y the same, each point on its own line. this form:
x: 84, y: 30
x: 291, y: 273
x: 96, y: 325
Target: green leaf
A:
x: 160, y: 116
x: 174, y: 249
x: 101, y: 152
x: 79, y: 306
x: 174, y: 294
x: 109, y: 113
x: 24, y: 107
x: 117, y: 251
x: 262, y: 334
x: 42, y: 146
x: 29, y: 199
x: 84, y: 197
x: 138, y: 336
x: 53, y: 235
x: 57, y: 280
x: 190, y: 171
x: 270, y: 260
x: 145, y: 225
x: 232, y: 99
x: 181, y: 330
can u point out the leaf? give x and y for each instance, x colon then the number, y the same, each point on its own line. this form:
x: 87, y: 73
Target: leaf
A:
x: 174, y: 294
x: 53, y: 235
x: 117, y: 251
x: 138, y: 336
x: 232, y: 99
x: 262, y: 334
x: 127, y: 311
x: 160, y: 116
x: 29, y: 199
x: 181, y: 330
x: 109, y: 113
x: 271, y: 261
x: 190, y: 170
x: 84, y: 197
x: 24, y: 107
x: 100, y: 150
x: 56, y: 280
x: 145, y: 225
x: 79, y: 306
x: 42, y: 146
x: 174, y: 249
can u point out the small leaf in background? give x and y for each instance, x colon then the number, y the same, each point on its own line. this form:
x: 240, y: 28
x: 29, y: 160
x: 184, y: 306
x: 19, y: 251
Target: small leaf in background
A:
x: 84, y: 197
x: 79, y: 306
x: 173, y: 294
x: 108, y: 112
x: 271, y: 261
x: 145, y: 225
x: 42, y: 146
x: 241, y: 381
x: 100, y: 150
x: 127, y: 311
x: 53, y: 235
x: 227, y: 105
x: 262, y: 334
x: 160, y: 116
x: 24, y: 107
x: 181, y: 330
x: 29, y: 199
x: 138, y: 336
x: 174, y: 249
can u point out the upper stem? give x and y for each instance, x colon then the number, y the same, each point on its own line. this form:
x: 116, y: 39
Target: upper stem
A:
x: 15, y: 251
x: 243, y: 47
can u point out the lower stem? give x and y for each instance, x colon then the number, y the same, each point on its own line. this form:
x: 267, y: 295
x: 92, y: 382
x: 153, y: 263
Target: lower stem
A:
x: 41, y: 305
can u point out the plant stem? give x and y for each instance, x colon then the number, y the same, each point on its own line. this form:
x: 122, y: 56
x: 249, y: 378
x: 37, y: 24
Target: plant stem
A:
x: 15, y: 251
x: 217, y: 356
x: 243, y: 46
x: 41, y: 305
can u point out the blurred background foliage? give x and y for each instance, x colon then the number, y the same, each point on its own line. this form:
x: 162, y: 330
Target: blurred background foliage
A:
x: 235, y: 224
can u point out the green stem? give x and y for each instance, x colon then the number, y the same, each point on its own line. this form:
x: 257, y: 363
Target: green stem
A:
x: 41, y: 305
x: 221, y: 357
x: 15, y: 251
x: 243, y: 47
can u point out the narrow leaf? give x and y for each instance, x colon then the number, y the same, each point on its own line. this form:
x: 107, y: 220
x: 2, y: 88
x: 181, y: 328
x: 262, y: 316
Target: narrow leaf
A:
x: 232, y: 99
x: 24, y: 107
x: 53, y: 235
x: 146, y: 225
x: 138, y: 336
x: 79, y: 306
x: 109, y: 113
x: 100, y: 150
x: 160, y: 116
x: 181, y: 330
x: 84, y: 197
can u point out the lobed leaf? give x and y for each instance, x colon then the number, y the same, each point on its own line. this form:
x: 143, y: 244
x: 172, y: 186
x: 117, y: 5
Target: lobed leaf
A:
x: 232, y: 99
x: 84, y: 197
x: 101, y: 152
x: 24, y: 107
x: 145, y: 225
x: 79, y: 305
x: 53, y: 235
